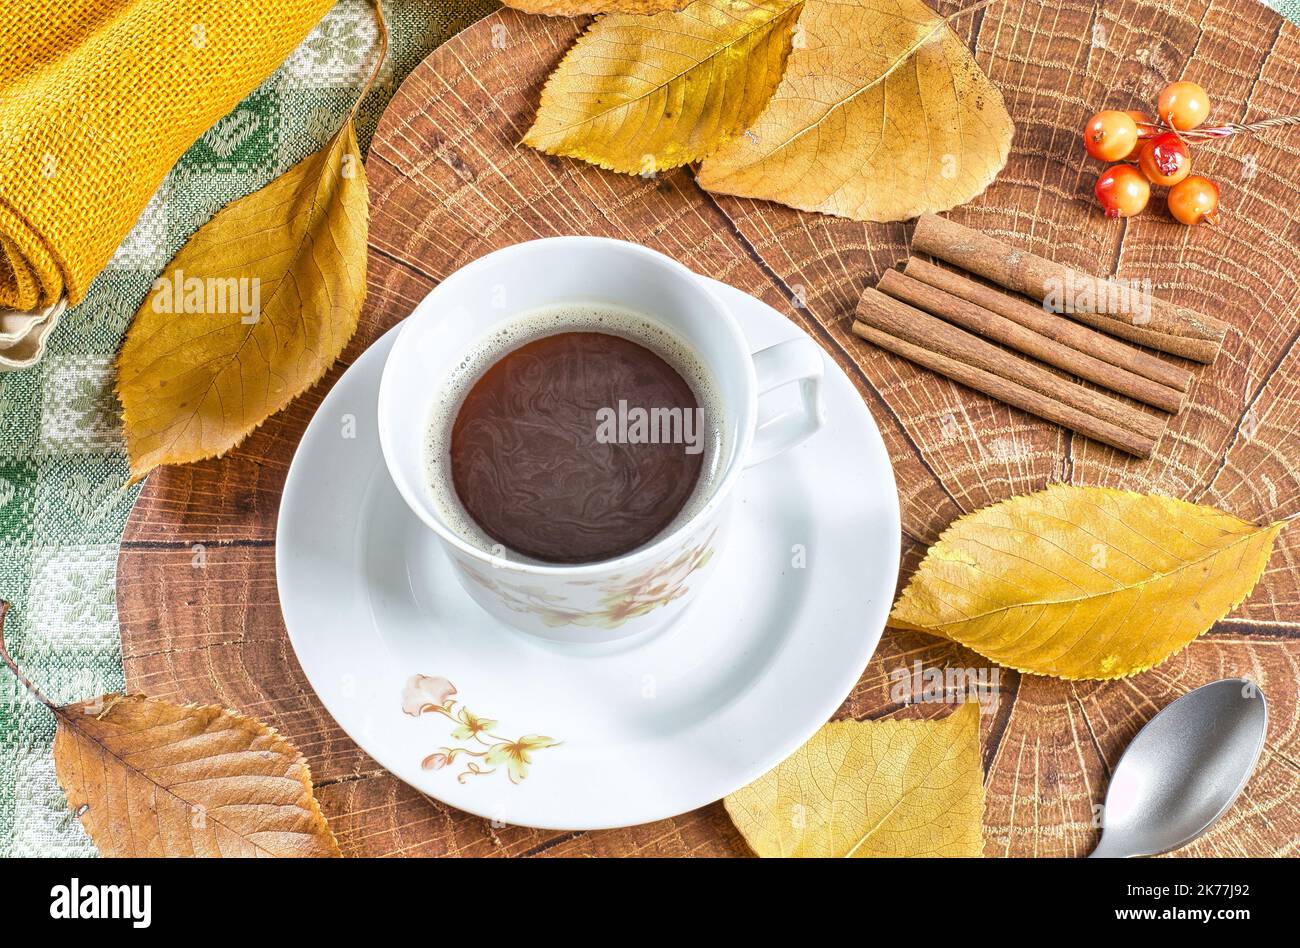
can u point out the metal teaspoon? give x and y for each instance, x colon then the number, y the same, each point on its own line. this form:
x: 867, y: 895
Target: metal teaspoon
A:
x: 1183, y: 769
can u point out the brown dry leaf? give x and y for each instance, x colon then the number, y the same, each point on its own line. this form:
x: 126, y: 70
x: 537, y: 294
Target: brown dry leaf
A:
x: 250, y: 313
x: 645, y: 94
x: 872, y: 788
x: 152, y: 778
x: 1084, y: 582
x: 882, y: 115
x: 579, y: 7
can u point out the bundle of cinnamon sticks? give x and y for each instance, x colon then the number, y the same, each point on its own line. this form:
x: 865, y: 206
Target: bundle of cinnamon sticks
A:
x: 979, y: 335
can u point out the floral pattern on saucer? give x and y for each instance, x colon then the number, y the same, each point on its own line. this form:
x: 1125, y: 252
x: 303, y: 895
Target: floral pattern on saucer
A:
x: 622, y: 598
x: 435, y: 694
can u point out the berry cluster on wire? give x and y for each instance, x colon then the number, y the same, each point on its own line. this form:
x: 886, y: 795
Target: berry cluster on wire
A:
x: 1162, y: 154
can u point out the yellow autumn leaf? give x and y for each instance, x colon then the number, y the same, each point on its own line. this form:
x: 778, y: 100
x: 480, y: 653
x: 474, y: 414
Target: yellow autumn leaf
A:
x: 250, y: 313
x: 150, y: 778
x: 1084, y: 582
x: 580, y: 7
x: 882, y: 115
x: 871, y: 788
x: 642, y: 94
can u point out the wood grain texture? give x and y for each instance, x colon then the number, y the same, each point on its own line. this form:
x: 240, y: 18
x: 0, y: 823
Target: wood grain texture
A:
x: 449, y: 183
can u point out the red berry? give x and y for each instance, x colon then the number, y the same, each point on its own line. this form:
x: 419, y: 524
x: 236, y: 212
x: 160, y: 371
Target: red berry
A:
x: 1183, y: 105
x: 1194, y: 200
x: 1165, y: 159
x: 1122, y: 191
x: 1110, y: 135
x: 1146, y: 125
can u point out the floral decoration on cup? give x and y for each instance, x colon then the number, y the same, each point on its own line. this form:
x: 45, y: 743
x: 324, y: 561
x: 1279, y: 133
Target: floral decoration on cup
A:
x: 621, y: 598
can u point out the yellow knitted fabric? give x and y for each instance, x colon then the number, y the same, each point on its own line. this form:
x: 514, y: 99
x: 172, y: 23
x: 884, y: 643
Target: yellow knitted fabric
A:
x: 98, y: 99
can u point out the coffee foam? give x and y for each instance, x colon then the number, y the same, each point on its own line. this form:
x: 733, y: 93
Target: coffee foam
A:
x: 548, y: 321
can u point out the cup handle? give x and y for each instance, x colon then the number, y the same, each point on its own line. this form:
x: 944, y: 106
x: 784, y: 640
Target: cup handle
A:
x: 796, y: 360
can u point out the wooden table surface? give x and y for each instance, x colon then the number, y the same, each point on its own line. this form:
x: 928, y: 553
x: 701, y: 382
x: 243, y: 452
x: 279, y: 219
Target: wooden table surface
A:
x: 196, y: 580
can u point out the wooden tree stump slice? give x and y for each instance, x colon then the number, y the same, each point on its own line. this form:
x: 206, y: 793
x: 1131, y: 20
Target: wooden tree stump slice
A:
x: 196, y: 579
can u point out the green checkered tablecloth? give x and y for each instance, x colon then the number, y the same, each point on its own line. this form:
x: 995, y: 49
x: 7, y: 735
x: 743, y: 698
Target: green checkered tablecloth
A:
x: 62, y: 465
x: 1288, y: 8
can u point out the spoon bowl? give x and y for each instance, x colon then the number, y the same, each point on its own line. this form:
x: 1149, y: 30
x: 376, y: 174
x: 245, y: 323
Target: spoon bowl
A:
x: 1184, y: 769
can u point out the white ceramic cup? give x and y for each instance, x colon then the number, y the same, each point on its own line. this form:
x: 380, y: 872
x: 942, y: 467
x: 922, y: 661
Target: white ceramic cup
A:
x: 651, y: 585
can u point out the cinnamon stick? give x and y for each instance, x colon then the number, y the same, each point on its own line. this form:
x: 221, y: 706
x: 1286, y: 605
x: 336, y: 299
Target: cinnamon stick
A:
x: 1111, y: 307
x: 965, y: 358
x: 989, y: 325
x: 1052, y: 325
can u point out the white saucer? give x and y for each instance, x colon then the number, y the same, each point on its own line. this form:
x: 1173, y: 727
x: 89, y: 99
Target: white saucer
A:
x: 647, y: 728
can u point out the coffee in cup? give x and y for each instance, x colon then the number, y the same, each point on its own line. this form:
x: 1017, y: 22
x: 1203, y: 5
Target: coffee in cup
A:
x: 576, y: 433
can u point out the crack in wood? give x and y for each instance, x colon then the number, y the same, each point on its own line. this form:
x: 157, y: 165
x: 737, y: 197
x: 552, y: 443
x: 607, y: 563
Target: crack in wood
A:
x: 1001, y: 718
x: 841, y: 354
x: 188, y: 545
x: 1092, y: 732
x: 356, y: 778
x: 552, y: 843
x: 1235, y: 436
